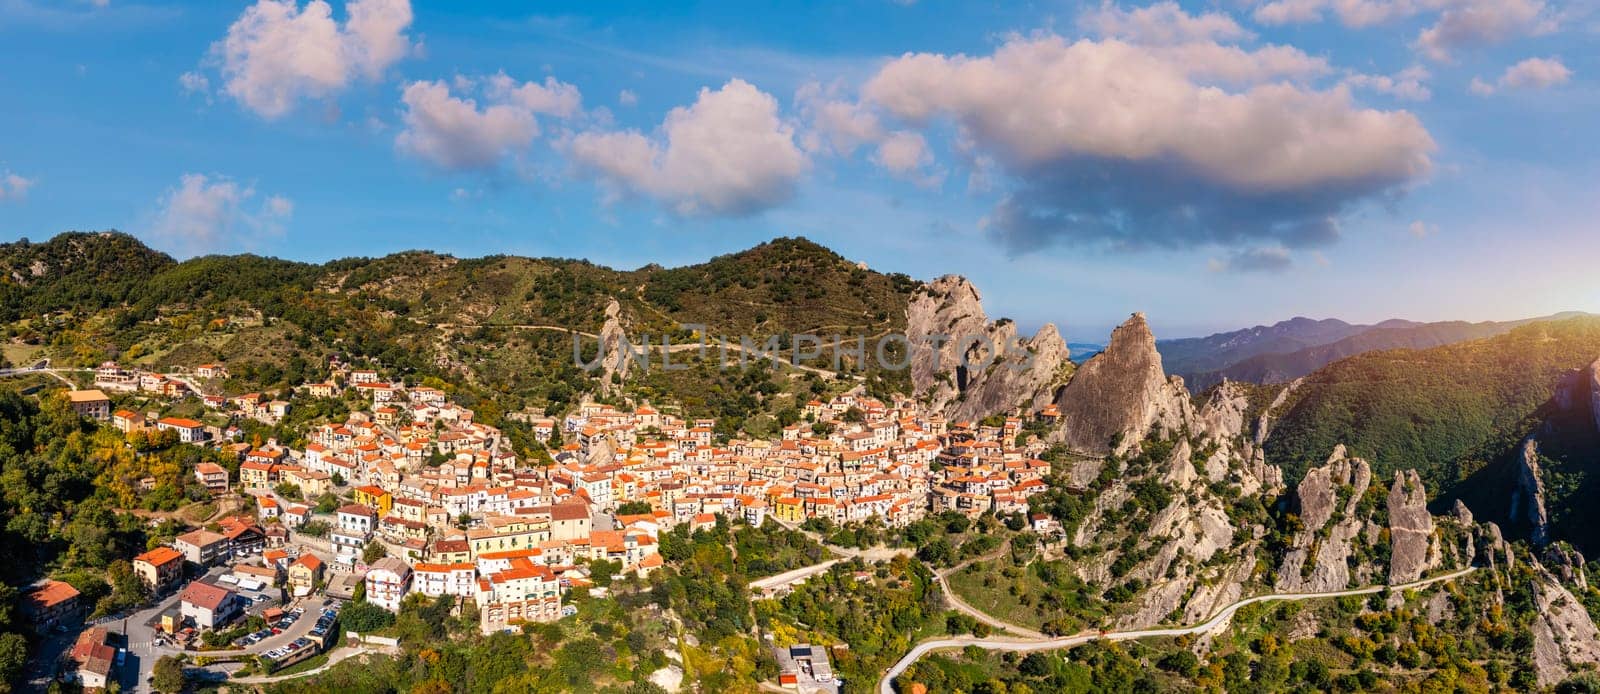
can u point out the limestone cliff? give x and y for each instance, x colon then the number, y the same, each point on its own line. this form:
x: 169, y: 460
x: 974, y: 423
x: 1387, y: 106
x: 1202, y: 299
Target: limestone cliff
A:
x: 1327, y: 499
x: 1119, y: 396
x: 615, y: 353
x: 969, y: 367
x: 1527, y: 500
x: 1410, y: 528
x: 1564, y: 636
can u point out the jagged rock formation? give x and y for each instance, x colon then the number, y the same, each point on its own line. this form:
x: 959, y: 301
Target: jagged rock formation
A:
x: 1463, y: 518
x: 1527, y: 500
x: 1410, y: 528
x: 1564, y: 636
x: 1327, y: 500
x: 1120, y: 395
x: 973, y: 368
x: 1222, y: 417
x: 616, y: 354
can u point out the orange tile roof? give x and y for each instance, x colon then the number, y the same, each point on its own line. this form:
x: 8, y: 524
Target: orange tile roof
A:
x: 160, y: 556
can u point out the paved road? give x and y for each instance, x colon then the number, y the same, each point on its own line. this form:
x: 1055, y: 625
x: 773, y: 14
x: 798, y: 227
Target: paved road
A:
x: 799, y: 575
x: 143, y: 652
x: 885, y: 685
x: 334, y: 659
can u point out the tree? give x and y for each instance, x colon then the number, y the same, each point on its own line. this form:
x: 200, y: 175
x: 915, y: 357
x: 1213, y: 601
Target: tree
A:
x: 168, y: 674
x: 634, y: 508
x: 374, y: 551
x: 363, y: 617
x: 13, y: 656
x: 602, y: 571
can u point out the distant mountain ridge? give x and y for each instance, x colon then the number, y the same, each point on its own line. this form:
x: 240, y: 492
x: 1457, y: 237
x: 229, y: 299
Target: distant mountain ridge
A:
x: 1296, y: 347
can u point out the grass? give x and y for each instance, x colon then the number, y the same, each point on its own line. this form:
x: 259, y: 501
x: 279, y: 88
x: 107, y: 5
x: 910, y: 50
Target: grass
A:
x: 199, y: 512
x: 990, y: 592
x: 20, y: 354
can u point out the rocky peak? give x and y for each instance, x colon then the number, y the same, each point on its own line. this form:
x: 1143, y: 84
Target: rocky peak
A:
x: 1527, y: 500
x: 1121, y: 391
x: 951, y: 309
x: 1327, y: 498
x: 616, y: 355
x: 1222, y: 417
x: 1410, y: 528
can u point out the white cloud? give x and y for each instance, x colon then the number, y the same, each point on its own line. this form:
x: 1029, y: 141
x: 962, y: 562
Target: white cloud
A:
x: 1537, y: 73
x: 205, y: 214
x: 1421, y: 229
x: 1196, y: 43
x: 1161, y: 23
x: 454, y: 132
x: 1409, y: 84
x: 729, y: 153
x: 278, y: 53
x: 1533, y: 73
x: 1351, y: 13
x: 1469, y: 23
x: 840, y: 127
x: 1458, y: 24
x: 1116, y: 144
x: 14, y: 187
x: 626, y: 97
x: 903, y: 152
x: 551, y: 98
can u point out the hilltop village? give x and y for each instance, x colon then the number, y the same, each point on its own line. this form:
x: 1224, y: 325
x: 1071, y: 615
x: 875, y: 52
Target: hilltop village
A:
x: 409, y: 494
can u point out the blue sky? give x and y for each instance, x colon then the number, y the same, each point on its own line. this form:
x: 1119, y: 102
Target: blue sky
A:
x: 1215, y: 165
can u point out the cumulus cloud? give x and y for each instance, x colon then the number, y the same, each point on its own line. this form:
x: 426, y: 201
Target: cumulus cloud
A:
x: 1352, y: 13
x: 205, y: 214
x: 14, y: 187
x: 278, y: 53
x: 1266, y: 259
x: 626, y: 97
x: 1471, y: 23
x: 1533, y: 73
x: 456, y: 133
x: 1457, y: 24
x: 839, y: 126
x: 1536, y: 73
x: 1161, y: 23
x: 729, y: 153
x: 1410, y: 84
x: 1196, y: 44
x: 1115, y: 145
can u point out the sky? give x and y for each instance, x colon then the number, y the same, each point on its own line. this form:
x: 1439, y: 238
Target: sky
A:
x: 1215, y: 165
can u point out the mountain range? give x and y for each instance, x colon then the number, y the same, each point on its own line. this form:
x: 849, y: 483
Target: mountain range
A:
x: 1293, y: 348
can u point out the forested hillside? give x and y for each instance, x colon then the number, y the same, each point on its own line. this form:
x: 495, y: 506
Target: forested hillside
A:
x: 1425, y: 409
x: 499, y: 325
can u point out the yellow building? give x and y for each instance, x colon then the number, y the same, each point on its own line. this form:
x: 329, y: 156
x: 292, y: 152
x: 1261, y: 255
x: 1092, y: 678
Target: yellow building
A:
x: 375, y: 498
x: 789, y: 510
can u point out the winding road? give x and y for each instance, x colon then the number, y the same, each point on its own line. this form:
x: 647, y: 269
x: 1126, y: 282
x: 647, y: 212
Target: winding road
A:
x: 886, y: 686
x: 962, y: 606
x: 709, y: 346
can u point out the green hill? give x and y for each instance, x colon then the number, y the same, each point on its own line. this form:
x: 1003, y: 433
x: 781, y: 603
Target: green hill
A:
x: 1454, y: 413
x: 495, y: 324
